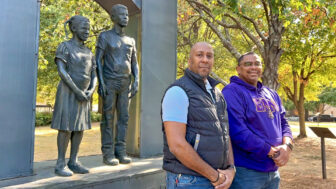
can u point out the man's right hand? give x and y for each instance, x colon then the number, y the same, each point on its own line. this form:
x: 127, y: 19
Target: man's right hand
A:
x: 221, y: 179
x: 229, y: 175
x: 102, y: 90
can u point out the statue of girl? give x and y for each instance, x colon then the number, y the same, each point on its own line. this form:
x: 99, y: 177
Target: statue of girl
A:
x: 76, y: 67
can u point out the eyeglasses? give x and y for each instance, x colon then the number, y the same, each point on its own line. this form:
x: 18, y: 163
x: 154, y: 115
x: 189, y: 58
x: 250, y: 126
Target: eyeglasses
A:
x: 249, y: 64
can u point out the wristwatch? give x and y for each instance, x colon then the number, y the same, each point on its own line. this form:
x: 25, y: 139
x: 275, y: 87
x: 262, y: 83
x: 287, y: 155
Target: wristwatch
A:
x: 290, y: 145
x: 231, y: 166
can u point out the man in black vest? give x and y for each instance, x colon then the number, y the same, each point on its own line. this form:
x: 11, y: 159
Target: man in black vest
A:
x: 197, y: 149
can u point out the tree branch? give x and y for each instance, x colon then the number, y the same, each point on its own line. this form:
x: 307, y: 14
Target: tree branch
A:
x: 215, y: 76
x: 266, y: 14
x: 329, y: 56
x: 227, y: 44
x: 208, y: 12
x: 263, y: 38
x: 220, y: 3
x: 248, y: 33
x: 289, y: 93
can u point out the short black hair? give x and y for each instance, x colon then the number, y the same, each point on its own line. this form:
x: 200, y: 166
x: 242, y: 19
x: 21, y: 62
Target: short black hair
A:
x: 245, y: 54
x: 115, y: 8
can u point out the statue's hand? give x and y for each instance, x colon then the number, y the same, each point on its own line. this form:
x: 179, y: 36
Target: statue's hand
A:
x: 81, y: 96
x: 134, y: 89
x: 102, y: 90
x: 89, y: 94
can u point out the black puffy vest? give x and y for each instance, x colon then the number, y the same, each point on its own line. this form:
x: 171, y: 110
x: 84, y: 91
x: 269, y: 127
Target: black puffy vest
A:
x: 206, y: 119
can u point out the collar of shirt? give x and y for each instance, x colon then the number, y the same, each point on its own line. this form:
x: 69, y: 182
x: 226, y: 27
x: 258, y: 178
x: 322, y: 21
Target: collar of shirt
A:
x: 209, y: 88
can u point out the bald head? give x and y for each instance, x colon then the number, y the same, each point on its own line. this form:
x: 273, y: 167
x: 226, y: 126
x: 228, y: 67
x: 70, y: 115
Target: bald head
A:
x: 201, y: 59
x: 199, y: 45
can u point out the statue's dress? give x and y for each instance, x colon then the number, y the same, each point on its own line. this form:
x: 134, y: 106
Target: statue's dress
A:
x: 69, y: 113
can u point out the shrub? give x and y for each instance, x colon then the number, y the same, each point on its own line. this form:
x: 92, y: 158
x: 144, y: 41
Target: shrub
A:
x: 95, y: 117
x: 43, y: 118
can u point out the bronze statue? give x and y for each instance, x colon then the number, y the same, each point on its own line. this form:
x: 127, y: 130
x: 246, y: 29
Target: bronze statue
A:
x: 76, y: 67
x: 116, y: 63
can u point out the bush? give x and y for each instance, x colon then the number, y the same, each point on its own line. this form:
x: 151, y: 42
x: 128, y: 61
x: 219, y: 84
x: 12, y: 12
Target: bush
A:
x: 43, y: 118
x: 95, y: 117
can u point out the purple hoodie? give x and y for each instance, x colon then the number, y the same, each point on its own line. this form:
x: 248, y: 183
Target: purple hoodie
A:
x: 252, y: 131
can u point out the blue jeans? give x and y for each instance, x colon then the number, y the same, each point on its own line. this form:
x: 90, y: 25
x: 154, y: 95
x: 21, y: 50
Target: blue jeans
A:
x: 248, y: 178
x: 181, y: 181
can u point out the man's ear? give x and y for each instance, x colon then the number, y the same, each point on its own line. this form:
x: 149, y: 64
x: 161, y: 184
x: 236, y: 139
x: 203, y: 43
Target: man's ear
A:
x: 238, y: 69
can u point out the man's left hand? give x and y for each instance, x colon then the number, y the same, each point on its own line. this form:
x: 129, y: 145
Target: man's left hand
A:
x: 283, y: 158
x: 229, y: 174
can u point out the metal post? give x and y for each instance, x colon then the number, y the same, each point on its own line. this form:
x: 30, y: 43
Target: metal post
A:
x: 323, y: 156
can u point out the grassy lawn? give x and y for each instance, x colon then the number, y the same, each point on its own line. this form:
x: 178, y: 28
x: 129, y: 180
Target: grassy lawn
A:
x: 315, y: 124
x: 311, y: 124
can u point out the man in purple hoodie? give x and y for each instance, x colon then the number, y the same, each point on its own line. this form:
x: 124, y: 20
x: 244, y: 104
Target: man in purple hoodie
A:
x: 260, y: 134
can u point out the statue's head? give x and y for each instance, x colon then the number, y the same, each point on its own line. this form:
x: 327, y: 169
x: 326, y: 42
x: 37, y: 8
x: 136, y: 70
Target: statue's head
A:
x: 79, y: 26
x: 119, y: 15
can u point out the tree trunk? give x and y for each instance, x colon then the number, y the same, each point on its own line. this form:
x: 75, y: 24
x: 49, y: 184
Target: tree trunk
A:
x: 270, y: 74
x: 301, y: 110
x: 271, y: 54
x: 306, y: 114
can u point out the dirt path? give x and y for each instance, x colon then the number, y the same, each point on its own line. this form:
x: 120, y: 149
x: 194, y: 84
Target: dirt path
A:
x: 46, y: 146
x: 304, y: 169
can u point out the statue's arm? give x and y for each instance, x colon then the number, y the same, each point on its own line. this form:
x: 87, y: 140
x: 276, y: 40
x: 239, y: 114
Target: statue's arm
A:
x: 99, y: 57
x: 80, y: 95
x: 135, y: 67
x: 135, y: 73
x: 92, y: 83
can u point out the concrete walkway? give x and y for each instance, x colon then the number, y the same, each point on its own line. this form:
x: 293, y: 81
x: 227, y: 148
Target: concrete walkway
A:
x: 141, y: 173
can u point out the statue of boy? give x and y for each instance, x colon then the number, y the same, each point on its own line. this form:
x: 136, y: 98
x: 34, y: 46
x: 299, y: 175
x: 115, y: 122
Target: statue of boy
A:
x: 76, y: 67
x: 116, y: 63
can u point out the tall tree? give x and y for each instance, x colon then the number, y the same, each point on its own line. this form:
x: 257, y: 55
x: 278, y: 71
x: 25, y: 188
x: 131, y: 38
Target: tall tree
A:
x: 192, y: 29
x: 259, y: 23
x: 309, y: 45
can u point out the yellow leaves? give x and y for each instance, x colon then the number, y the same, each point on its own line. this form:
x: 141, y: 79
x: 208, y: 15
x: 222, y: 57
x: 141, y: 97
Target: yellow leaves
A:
x: 286, y: 24
x: 184, y: 16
